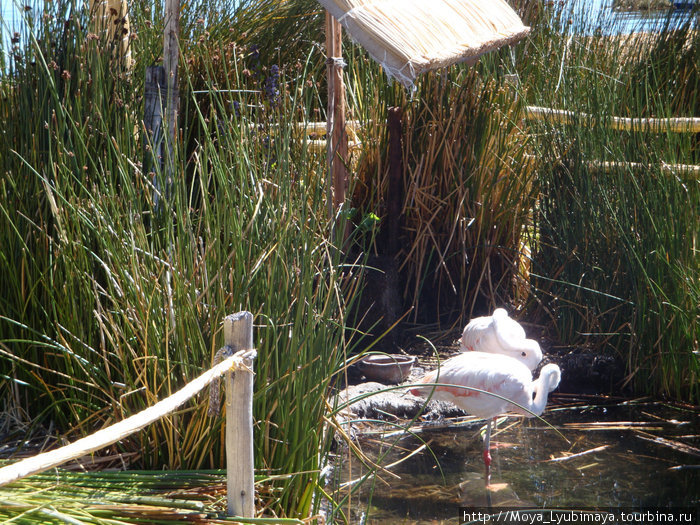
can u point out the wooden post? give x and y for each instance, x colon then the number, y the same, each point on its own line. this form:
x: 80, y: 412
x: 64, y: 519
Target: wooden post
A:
x: 336, y: 135
x: 238, y: 334
x: 154, y: 96
x: 170, y: 62
x: 394, y: 197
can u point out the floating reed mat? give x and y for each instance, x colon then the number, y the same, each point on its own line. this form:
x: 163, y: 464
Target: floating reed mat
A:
x: 410, y: 37
x: 122, y: 497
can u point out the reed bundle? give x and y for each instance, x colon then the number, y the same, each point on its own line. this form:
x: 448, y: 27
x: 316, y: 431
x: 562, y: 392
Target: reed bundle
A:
x: 410, y: 37
x: 653, y: 125
x: 111, y: 17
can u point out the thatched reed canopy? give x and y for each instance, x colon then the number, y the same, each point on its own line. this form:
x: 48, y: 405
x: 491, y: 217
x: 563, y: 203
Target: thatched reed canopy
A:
x: 410, y: 37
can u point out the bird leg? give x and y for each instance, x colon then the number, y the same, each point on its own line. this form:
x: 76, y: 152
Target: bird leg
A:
x: 487, y: 452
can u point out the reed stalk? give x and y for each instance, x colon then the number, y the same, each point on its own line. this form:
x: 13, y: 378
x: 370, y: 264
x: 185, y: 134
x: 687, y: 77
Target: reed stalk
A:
x: 116, y: 288
x: 466, y: 191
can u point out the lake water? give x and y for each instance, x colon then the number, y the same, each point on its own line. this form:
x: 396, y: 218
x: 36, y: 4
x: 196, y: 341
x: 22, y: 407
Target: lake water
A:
x: 590, y: 16
x: 631, y: 455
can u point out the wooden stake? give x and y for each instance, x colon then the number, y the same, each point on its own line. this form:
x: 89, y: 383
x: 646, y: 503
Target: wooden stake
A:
x: 240, y: 484
x: 337, y: 137
x: 170, y: 63
x: 154, y: 95
x: 394, y: 197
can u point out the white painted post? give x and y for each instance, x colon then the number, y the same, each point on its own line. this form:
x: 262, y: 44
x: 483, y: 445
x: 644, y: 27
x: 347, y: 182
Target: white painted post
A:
x: 238, y: 334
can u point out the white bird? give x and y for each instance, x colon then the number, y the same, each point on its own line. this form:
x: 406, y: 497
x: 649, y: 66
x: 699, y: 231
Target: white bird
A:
x: 490, y: 374
x: 499, y: 334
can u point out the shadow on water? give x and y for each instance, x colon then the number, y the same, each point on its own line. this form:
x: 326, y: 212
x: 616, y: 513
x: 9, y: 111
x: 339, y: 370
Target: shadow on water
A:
x: 635, y: 454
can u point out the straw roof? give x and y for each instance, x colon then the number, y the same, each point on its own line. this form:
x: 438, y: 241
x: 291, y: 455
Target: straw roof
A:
x: 410, y: 37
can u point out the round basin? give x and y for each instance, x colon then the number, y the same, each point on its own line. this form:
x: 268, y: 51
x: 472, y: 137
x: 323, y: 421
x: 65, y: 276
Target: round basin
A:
x: 391, y: 368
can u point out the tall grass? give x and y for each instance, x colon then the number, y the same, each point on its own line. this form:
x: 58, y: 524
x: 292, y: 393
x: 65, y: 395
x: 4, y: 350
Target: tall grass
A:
x: 616, y: 261
x: 115, y: 291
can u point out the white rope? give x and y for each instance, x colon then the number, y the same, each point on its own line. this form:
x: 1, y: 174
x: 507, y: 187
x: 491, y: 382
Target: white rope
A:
x: 240, y: 361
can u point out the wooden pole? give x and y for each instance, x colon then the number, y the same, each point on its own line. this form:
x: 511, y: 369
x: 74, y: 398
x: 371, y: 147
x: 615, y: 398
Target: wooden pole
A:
x: 154, y: 95
x: 170, y: 63
x: 337, y: 137
x: 394, y: 196
x: 240, y: 484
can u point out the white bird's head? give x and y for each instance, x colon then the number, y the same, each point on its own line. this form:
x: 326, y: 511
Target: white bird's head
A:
x: 528, y: 352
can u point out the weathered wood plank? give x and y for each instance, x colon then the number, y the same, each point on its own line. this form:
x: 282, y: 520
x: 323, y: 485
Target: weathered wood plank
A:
x: 238, y: 334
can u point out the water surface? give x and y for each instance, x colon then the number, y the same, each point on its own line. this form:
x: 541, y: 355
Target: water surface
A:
x: 599, y: 16
x: 643, y: 454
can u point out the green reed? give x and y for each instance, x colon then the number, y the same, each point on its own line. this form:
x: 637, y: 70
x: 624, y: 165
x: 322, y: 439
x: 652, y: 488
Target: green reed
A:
x: 466, y: 192
x: 116, y: 288
x: 616, y: 261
